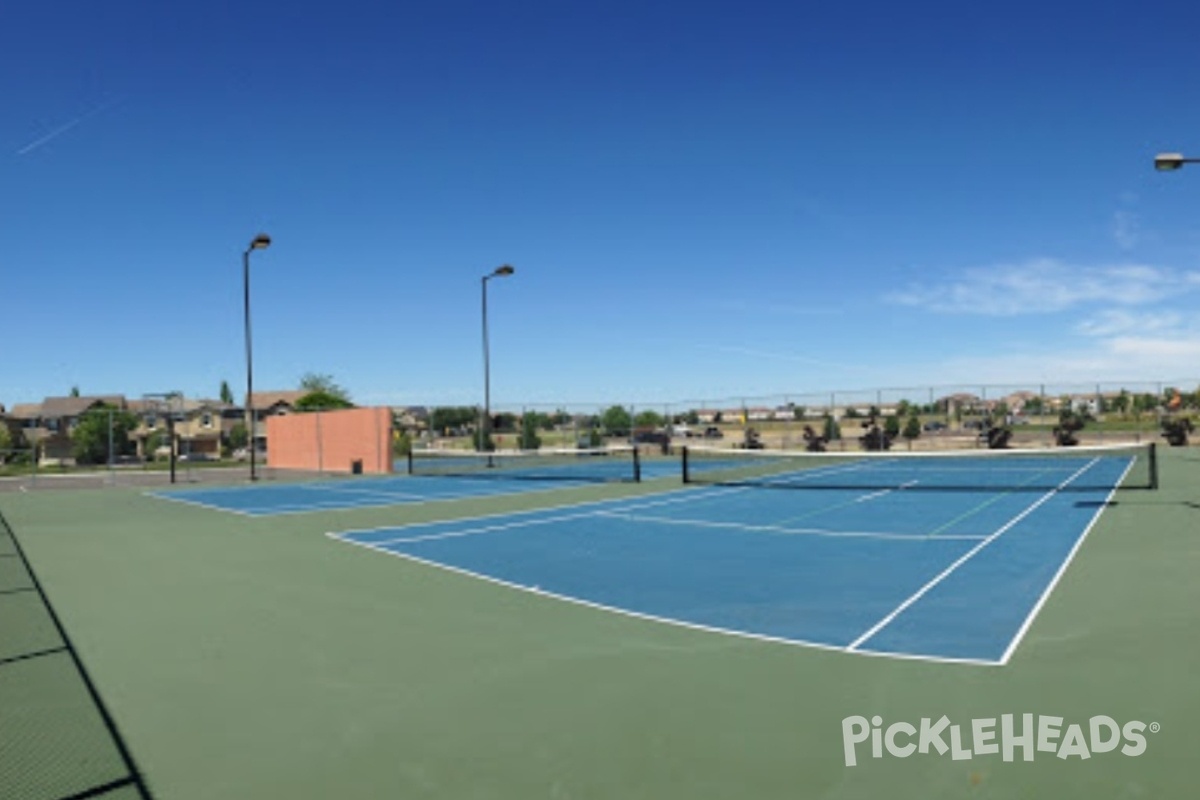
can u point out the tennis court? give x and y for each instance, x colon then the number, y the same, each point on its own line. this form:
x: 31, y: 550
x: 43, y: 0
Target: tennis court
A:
x: 435, y: 476
x: 938, y: 574
x: 618, y: 639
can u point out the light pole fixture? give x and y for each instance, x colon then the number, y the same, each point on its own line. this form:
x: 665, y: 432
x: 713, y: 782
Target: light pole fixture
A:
x: 485, y: 424
x: 260, y: 242
x: 1168, y: 162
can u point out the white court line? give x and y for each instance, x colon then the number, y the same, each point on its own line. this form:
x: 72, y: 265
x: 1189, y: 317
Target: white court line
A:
x: 198, y: 504
x: 1012, y: 646
x: 688, y: 492
x: 873, y: 495
x: 878, y: 626
x: 695, y: 626
x: 779, y: 529
x: 458, y: 534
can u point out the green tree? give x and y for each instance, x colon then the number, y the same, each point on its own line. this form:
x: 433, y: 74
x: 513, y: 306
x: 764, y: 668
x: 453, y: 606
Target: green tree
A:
x: 321, y: 401
x: 226, y: 393
x: 529, y: 432
x: 401, y: 444
x: 313, y: 383
x: 891, y: 426
x: 691, y: 418
x: 74, y: 391
x: 450, y: 417
x: 616, y: 421
x: 832, y: 429
x: 912, y: 429
x: 648, y: 419
x: 6, y: 440
x: 89, y: 440
x: 798, y: 412
x: 904, y: 408
x: 155, y: 440
x: 238, y: 435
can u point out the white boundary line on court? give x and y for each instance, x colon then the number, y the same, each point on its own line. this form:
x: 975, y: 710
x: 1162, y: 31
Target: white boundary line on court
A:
x: 198, y: 504
x: 286, y: 509
x: 900, y: 609
x: 692, y: 492
x: 780, y: 529
x: 1037, y: 608
x: 457, y: 534
x: 664, y: 620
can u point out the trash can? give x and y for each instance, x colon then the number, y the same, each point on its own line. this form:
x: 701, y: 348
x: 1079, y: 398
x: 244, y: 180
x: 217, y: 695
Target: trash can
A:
x: 356, y: 467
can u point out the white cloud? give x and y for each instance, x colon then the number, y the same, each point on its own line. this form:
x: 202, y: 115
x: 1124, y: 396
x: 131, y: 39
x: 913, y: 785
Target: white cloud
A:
x: 1125, y: 229
x: 1113, y: 322
x: 1045, y: 285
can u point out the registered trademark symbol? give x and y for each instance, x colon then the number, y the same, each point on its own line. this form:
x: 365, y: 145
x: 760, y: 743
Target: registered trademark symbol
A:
x: 1155, y: 727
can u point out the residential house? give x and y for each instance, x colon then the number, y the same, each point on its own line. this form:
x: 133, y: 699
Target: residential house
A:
x: 267, y: 404
x: 47, y: 426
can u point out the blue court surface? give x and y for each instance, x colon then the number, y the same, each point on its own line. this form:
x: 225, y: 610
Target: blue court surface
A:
x: 939, y: 575
x: 268, y: 499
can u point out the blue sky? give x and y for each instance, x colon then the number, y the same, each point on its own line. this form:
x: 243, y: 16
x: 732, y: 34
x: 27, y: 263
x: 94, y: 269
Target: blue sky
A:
x: 702, y: 200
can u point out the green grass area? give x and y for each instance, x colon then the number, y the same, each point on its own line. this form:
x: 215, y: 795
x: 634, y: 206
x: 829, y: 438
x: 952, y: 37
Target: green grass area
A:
x: 258, y: 658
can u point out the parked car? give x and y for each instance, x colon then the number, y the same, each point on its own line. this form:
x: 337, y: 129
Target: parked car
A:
x: 651, y: 437
x: 713, y: 432
x: 934, y: 426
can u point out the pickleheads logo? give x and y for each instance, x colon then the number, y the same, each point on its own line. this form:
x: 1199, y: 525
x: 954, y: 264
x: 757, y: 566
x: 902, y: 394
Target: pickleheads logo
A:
x: 983, y: 737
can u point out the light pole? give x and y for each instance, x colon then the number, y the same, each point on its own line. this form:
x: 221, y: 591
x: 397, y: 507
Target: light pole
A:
x: 485, y: 424
x: 1167, y: 162
x: 260, y: 242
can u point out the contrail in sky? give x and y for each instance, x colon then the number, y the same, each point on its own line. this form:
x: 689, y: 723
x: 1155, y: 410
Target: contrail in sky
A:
x: 61, y: 129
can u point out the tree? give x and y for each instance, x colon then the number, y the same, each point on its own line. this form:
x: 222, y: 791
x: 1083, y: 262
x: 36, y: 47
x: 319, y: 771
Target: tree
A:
x: 89, y: 440
x: 529, y: 432
x: 226, y: 393
x: 912, y: 429
x: 445, y: 419
x: 74, y: 391
x: 904, y: 408
x: 238, y: 435
x: 691, y: 418
x: 832, y: 430
x: 321, y: 401
x: 313, y: 382
x: 798, y: 412
x: 891, y: 426
x: 648, y: 419
x: 616, y: 421
x: 6, y: 440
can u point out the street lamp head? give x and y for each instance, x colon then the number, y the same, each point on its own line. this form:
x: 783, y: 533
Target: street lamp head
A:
x: 261, y: 242
x: 1168, y: 161
x: 506, y: 269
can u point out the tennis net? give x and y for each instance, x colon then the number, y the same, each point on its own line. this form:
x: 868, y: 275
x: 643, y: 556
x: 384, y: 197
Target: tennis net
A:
x: 1066, y: 469
x: 585, y: 464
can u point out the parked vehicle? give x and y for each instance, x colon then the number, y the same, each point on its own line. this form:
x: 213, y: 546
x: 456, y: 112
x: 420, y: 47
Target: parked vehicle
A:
x: 713, y: 432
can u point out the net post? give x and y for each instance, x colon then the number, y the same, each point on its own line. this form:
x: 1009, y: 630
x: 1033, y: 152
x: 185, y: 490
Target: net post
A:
x: 637, y: 466
x: 409, y: 459
x: 1153, y: 455
x: 683, y: 462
